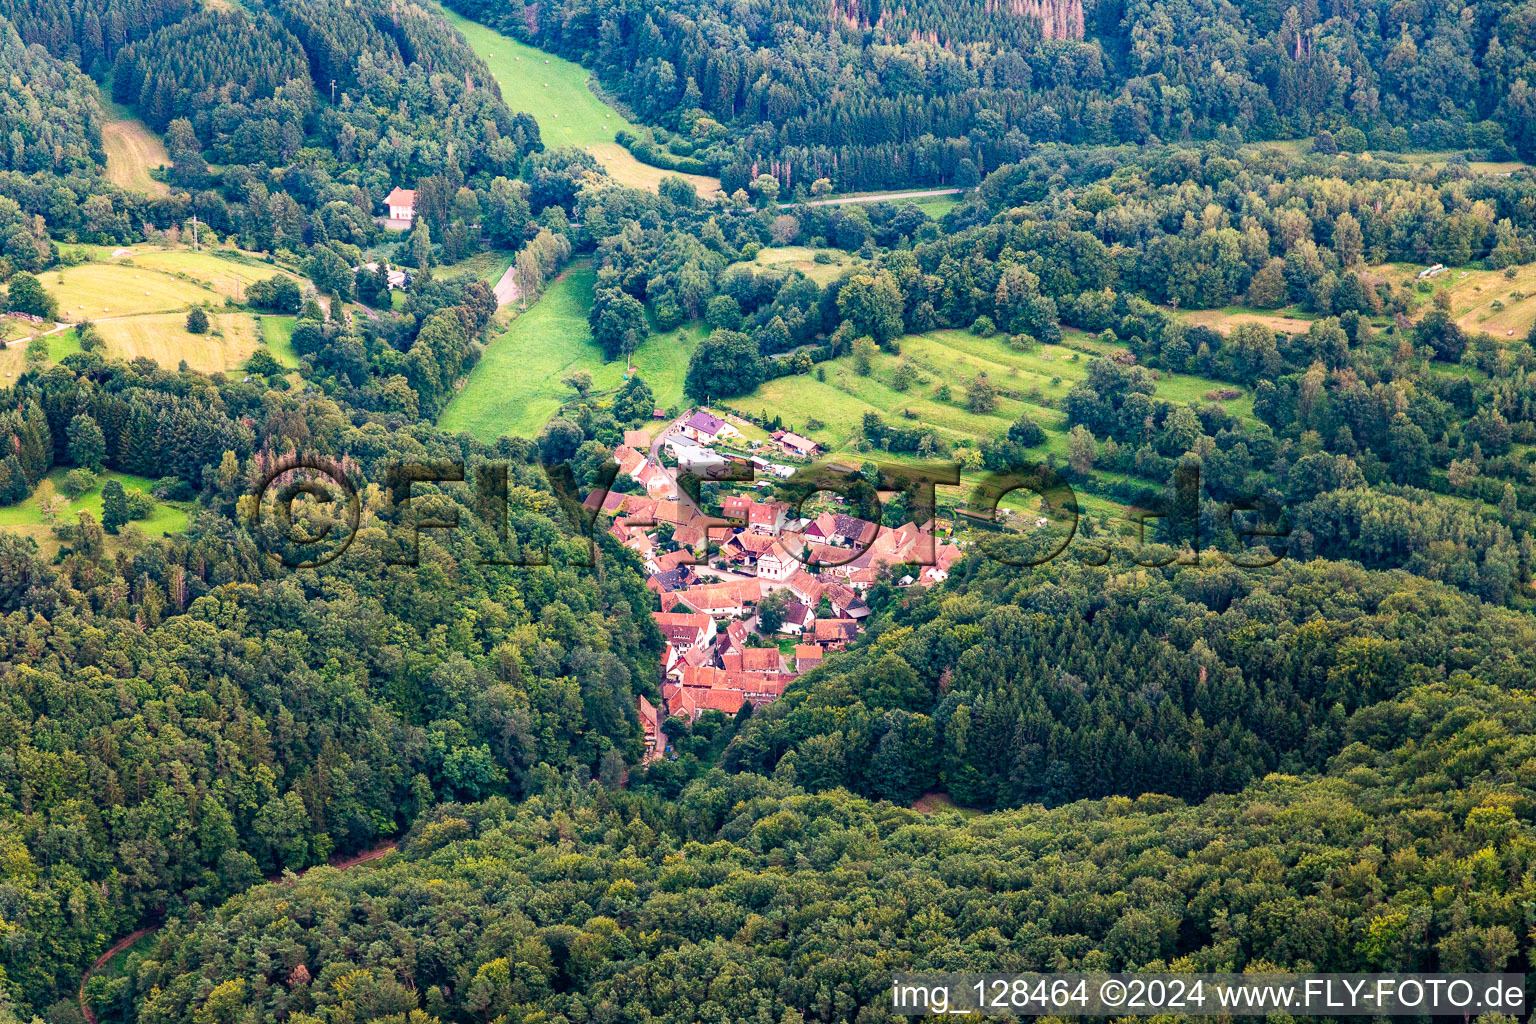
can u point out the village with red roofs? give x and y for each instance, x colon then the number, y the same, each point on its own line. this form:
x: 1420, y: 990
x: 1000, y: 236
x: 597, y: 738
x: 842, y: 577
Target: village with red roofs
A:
x: 749, y: 597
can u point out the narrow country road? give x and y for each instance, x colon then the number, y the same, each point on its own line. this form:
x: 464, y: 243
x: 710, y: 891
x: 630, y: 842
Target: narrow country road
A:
x: 128, y: 940
x: 661, y: 437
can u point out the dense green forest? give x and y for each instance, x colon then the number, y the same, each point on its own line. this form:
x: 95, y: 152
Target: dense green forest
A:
x: 744, y: 898
x: 1322, y: 763
x: 310, y: 114
x: 49, y: 117
x: 186, y: 718
x: 876, y: 95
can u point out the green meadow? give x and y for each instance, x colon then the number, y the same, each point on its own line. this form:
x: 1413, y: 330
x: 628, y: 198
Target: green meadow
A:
x: 26, y: 518
x: 569, y: 113
x: 1032, y: 382
x: 553, y: 89
x: 516, y: 387
x: 277, y: 333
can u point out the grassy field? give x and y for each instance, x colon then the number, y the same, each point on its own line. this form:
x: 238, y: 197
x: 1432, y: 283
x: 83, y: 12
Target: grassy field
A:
x: 627, y: 170
x: 27, y: 520
x: 94, y: 291
x: 1474, y: 292
x: 277, y: 332
x: 937, y: 207
x: 803, y: 259
x: 132, y: 151
x: 1298, y: 147
x: 13, y: 358
x: 224, y: 272
x: 1032, y: 382
x: 515, y: 388
x: 1027, y: 382
x: 164, y: 338
x: 1441, y: 158
x: 1229, y: 317
x: 555, y: 91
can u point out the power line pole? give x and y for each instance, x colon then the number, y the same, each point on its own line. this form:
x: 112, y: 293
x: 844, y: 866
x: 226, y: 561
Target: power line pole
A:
x: 196, y: 243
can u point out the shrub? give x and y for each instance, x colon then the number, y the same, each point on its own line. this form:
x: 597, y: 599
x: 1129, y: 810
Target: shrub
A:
x: 78, y: 482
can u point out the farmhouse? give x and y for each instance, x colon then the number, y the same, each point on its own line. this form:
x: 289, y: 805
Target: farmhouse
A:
x: 402, y: 204
x: 777, y: 565
x: 796, y: 617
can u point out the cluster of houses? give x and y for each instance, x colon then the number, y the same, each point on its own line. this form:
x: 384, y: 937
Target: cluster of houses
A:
x: 717, y: 576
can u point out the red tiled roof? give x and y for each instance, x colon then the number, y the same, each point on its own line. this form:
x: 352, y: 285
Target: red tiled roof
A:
x: 722, y: 595
x: 672, y: 559
x: 754, y: 659
x: 807, y: 586
x: 836, y: 629
x: 765, y: 513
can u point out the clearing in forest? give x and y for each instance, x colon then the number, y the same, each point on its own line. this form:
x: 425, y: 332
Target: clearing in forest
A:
x: 132, y: 151
x: 516, y: 387
x: 94, y: 291
x: 277, y: 332
x: 1485, y: 301
x: 555, y: 92
x: 231, y: 340
x: 13, y: 356
x: 227, y: 272
x: 1227, y: 318
x: 803, y: 259
x: 26, y: 517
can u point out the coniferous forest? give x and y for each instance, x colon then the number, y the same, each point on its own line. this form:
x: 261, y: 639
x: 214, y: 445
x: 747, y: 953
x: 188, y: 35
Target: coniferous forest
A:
x: 1215, y: 267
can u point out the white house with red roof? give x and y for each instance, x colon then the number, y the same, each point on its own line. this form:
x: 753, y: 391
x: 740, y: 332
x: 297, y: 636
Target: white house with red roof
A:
x: 402, y: 204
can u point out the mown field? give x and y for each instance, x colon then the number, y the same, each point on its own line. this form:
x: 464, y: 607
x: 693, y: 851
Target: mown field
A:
x: 1483, y: 301
x: 133, y: 150
x: 26, y: 518
x: 516, y: 387
x: 138, y: 299
x: 13, y: 357
x: 555, y: 91
x: 95, y: 291
x: 163, y: 337
x: 1227, y: 318
x: 221, y: 271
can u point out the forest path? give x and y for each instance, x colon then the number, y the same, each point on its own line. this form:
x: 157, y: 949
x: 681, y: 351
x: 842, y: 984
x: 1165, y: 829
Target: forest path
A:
x: 128, y: 940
